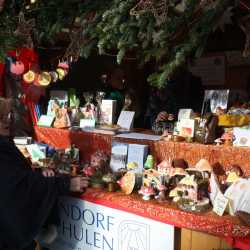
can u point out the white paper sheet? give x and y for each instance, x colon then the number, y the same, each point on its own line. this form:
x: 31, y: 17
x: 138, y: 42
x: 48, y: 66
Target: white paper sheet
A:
x: 139, y: 136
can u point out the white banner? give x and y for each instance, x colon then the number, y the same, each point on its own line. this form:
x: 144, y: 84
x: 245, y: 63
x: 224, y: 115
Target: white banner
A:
x: 88, y: 226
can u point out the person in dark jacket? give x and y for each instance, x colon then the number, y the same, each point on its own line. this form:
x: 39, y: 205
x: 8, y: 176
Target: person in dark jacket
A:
x: 27, y: 197
x: 182, y: 90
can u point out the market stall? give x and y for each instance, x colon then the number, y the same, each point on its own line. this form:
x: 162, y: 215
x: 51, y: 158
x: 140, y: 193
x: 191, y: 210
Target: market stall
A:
x: 174, y: 187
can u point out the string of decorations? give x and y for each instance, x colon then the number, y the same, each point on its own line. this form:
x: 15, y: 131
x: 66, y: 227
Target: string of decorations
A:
x: 165, y: 32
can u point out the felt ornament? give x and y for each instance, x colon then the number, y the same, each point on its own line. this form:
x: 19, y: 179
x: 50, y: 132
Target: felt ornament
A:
x: 44, y: 78
x: 64, y: 65
x: 61, y: 73
x: 77, y: 39
x: 16, y: 67
x: 29, y: 76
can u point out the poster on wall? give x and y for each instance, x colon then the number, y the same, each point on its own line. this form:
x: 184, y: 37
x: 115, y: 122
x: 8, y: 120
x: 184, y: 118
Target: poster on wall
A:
x: 214, y: 99
x: 89, y: 226
x: 211, y: 69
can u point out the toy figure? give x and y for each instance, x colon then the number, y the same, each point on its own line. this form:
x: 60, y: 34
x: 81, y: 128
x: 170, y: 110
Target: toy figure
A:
x: 147, y: 192
x: 149, y: 164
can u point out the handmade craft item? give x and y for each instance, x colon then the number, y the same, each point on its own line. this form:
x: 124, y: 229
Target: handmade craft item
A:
x: 149, y: 162
x: 61, y: 119
x: 187, y: 196
x: 127, y: 182
x: 147, y: 192
x: 29, y: 76
x: 159, y: 8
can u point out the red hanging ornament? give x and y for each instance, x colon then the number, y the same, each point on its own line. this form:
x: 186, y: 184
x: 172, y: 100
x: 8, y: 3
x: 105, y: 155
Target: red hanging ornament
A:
x: 17, y: 68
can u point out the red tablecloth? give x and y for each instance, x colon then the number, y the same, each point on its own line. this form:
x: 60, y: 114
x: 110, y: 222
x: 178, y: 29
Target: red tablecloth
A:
x: 88, y: 143
x: 227, y: 227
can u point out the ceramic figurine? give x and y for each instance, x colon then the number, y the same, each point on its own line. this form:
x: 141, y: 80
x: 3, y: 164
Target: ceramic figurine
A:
x: 164, y: 166
x: 161, y: 196
x: 186, y: 194
x: 147, y: 192
x: 149, y: 162
x: 151, y: 177
x: 89, y: 110
x: 191, y: 192
x: 127, y: 182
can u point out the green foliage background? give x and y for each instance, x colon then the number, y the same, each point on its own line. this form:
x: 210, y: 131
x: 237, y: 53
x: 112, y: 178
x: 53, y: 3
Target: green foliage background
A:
x: 113, y: 30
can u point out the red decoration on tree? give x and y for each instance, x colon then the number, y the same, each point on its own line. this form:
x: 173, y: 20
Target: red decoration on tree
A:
x: 17, y: 68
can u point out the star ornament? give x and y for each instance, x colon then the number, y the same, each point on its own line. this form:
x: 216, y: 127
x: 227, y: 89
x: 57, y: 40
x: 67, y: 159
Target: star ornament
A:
x: 24, y: 26
x: 24, y: 29
x: 159, y: 8
x: 76, y: 40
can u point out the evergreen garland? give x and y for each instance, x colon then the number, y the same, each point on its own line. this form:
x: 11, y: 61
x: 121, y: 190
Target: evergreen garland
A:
x: 108, y: 27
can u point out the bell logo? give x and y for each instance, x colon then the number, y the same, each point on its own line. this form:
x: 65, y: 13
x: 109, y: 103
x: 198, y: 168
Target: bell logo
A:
x: 133, y: 235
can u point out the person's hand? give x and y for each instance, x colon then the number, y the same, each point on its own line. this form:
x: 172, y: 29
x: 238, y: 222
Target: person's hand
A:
x: 77, y: 184
x: 46, y: 172
x: 162, y: 116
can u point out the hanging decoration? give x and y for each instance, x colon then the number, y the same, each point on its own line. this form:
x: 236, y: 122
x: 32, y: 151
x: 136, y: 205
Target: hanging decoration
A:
x: 77, y: 39
x: 159, y: 8
x: 24, y: 30
x: 165, y: 32
x: 29, y: 76
x: 17, y: 68
x: 44, y: 78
